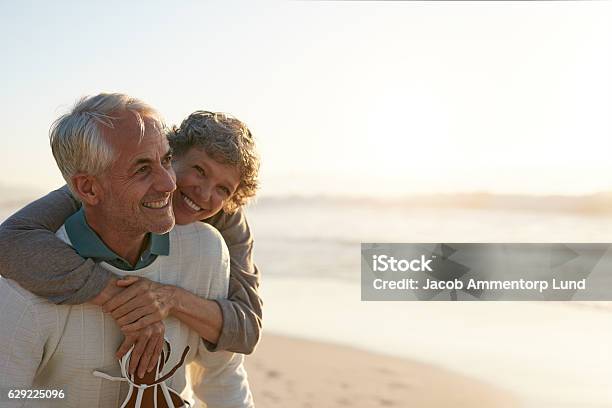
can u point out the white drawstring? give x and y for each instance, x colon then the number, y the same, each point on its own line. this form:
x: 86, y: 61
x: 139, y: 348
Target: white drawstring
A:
x: 124, y: 363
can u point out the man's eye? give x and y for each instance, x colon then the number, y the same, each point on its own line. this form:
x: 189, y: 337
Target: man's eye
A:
x: 142, y: 170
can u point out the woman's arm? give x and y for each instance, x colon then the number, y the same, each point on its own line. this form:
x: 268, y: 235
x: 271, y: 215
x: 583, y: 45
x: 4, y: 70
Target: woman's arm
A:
x: 34, y: 257
x: 232, y: 324
x: 242, y: 310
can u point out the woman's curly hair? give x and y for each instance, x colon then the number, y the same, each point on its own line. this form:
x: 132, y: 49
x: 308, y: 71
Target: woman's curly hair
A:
x: 228, y: 141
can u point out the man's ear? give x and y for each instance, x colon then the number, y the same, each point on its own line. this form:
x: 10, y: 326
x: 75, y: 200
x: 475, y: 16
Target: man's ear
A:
x: 87, y: 188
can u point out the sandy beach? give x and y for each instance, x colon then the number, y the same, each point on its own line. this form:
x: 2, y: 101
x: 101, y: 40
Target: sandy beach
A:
x: 288, y: 372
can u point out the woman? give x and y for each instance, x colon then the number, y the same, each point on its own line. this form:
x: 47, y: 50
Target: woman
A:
x: 217, y: 167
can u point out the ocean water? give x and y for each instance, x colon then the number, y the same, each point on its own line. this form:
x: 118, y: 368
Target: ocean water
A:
x: 549, y: 354
x: 310, y: 239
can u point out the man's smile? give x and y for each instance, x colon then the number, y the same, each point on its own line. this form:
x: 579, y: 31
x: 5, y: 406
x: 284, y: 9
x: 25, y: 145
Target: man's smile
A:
x: 158, y: 204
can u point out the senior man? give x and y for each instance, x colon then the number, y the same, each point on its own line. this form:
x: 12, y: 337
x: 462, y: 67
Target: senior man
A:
x: 113, y: 154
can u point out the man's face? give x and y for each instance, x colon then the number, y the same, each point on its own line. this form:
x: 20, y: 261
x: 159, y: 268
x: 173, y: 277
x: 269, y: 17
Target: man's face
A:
x: 203, y: 186
x: 138, y: 186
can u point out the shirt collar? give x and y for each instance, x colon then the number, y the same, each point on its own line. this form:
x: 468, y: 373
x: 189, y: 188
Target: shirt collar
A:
x: 89, y: 245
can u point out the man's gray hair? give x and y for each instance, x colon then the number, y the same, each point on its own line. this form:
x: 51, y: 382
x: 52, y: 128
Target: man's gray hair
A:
x: 76, y: 137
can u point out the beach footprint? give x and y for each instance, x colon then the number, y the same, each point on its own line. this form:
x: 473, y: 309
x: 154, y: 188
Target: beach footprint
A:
x: 386, y: 402
x: 273, y: 374
x: 344, y: 402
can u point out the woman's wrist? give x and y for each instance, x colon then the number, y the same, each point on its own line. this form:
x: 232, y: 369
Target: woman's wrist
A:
x: 203, y: 315
x: 110, y: 290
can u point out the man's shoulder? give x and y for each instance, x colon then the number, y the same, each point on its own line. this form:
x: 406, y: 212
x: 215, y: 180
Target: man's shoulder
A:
x: 198, y: 241
x: 206, y: 234
x: 196, y: 228
x: 9, y: 289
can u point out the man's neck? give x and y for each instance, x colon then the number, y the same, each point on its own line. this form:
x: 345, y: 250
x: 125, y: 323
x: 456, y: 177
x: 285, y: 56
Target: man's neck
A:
x: 127, y: 246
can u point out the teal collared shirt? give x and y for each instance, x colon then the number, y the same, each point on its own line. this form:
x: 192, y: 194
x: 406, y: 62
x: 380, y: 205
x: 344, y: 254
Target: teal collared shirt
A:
x: 89, y: 245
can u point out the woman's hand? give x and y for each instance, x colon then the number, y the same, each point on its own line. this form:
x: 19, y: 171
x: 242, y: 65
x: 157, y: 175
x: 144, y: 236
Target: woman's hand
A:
x: 141, y: 304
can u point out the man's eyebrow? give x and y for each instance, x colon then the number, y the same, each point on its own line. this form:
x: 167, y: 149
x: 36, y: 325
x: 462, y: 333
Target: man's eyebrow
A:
x: 146, y: 160
x: 143, y: 160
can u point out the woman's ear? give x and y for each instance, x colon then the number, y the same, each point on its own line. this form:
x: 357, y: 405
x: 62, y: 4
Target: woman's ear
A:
x: 87, y: 188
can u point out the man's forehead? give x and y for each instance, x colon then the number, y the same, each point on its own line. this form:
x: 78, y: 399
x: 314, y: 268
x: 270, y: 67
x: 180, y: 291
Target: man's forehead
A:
x: 129, y: 130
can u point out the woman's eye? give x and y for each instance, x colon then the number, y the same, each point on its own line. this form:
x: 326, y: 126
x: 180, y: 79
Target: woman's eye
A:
x: 225, y: 191
x: 167, y: 161
x: 199, y: 170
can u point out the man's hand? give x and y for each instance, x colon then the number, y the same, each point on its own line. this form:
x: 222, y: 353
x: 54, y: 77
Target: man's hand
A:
x: 148, y: 344
x: 138, y: 310
x: 141, y: 304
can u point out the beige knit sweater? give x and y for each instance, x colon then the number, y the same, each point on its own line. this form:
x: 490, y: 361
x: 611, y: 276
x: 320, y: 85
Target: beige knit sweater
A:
x: 47, y: 346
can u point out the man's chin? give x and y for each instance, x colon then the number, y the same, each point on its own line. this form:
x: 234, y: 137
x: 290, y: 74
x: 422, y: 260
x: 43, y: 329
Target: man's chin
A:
x: 161, y: 227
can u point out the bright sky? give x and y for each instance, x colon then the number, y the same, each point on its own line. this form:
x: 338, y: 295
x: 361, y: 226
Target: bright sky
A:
x: 374, y: 98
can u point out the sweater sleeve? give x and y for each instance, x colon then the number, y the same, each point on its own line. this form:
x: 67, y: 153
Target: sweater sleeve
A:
x: 220, y: 380
x: 242, y: 310
x: 33, y: 256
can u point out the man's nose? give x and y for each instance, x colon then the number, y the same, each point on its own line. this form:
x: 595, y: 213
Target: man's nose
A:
x: 166, y: 180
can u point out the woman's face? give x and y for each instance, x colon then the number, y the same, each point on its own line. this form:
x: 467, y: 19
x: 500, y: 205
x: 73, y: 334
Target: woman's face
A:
x: 203, y: 186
